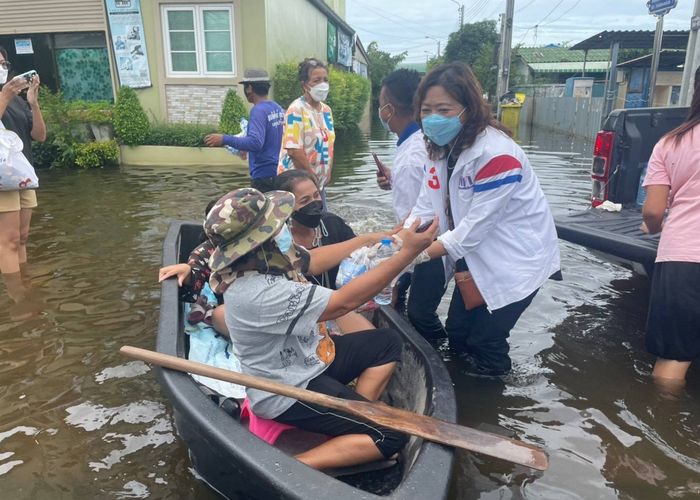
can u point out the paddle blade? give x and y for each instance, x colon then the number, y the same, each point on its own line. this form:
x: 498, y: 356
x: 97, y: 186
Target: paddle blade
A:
x: 439, y: 431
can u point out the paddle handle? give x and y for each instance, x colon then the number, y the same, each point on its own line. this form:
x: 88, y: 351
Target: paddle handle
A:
x: 263, y: 384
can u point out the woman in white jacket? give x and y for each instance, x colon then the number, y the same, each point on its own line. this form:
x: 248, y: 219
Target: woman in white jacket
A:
x: 496, y: 229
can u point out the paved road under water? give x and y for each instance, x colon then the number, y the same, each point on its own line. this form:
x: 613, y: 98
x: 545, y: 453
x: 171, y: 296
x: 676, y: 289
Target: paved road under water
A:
x: 79, y: 421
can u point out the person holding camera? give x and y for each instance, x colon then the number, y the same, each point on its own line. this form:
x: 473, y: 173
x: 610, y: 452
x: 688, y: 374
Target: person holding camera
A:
x: 24, y: 118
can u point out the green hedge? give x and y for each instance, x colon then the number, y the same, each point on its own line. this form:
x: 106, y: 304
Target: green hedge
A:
x: 348, y: 95
x: 130, y: 122
x: 231, y: 113
x: 69, y: 141
x: 178, y: 134
x: 97, y: 154
x: 285, y: 84
x: 347, y: 98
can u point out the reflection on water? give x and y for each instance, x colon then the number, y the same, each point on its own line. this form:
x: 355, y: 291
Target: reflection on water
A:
x: 78, y: 420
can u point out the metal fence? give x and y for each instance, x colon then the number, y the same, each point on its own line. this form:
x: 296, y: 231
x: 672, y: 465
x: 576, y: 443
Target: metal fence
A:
x: 571, y: 116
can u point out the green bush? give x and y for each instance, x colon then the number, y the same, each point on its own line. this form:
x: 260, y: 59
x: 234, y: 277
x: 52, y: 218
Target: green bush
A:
x: 231, y: 113
x: 96, y: 154
x: 347, y: 98
x: 178, y: 134
x: 285, y: 84
x: 98, y: 112
x: 130, y: 122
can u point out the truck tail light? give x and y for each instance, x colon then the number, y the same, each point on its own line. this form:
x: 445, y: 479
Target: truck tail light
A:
x: 601, y: 168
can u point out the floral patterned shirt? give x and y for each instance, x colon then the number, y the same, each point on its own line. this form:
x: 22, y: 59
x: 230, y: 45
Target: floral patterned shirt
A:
x: 312, y: 131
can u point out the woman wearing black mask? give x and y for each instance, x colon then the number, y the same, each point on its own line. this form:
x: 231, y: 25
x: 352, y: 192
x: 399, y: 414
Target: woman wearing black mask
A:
x: 311, y: 227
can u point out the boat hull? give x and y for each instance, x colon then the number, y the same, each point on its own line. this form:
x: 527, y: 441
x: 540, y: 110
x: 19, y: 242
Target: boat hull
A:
x: 239, y: 465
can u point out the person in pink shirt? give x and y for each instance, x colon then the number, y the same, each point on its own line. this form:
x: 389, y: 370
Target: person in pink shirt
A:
x: 673, y: 181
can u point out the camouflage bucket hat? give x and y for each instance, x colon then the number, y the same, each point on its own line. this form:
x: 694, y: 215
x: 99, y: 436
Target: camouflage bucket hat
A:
x: 242, y: 220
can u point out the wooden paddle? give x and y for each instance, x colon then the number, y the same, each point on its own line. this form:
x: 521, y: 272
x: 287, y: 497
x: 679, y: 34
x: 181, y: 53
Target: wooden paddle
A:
x: 431, y: 429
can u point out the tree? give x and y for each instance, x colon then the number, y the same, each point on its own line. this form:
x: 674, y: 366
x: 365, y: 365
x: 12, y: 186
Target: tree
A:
x: 381, y: 63
x: 476, y: 44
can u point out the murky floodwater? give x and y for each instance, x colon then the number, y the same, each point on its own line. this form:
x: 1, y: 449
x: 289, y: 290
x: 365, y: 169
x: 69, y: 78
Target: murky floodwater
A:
x: 79, y: 421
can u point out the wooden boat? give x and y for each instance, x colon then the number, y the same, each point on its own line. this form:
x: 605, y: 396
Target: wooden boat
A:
x: 237, y: 464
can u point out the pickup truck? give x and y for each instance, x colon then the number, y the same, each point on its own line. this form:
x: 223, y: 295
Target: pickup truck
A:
x: 620, y: 155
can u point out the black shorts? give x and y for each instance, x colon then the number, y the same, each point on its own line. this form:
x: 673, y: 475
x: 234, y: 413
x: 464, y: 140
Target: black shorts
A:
x: 673, y: 326
x: 354, y: 353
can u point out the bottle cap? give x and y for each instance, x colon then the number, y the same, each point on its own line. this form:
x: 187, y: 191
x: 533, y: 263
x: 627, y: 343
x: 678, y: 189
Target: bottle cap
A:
x: 386, y: 241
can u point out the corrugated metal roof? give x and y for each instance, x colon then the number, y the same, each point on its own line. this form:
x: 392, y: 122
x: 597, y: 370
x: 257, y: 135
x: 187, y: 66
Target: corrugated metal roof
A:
x: 51, y: 16
x: 637, y: 39
x: 570, y: 67
x: 559, y: 54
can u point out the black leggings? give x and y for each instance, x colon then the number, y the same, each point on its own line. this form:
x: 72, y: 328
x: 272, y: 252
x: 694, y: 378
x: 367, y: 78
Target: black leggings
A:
x: 354, y: 353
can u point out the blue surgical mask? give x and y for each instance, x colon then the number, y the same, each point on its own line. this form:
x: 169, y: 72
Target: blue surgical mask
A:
x: 441, y: 129
x: 283, y: 239
x: 385, y: 124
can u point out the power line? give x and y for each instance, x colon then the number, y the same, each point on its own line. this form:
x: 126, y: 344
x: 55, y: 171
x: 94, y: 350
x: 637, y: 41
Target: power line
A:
x: 550, y: 13
x: 525, y: 6
x: 565, y: 12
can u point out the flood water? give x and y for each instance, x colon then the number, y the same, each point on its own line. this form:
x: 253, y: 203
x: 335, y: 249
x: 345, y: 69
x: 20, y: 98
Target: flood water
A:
x: 79, y: 421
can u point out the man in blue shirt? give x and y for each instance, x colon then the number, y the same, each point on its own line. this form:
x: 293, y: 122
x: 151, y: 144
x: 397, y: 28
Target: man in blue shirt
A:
x: 264, y: 137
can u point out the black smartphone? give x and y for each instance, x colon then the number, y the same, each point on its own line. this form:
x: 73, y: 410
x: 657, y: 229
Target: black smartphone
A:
x: 380, y: 166
x: 424, y: 227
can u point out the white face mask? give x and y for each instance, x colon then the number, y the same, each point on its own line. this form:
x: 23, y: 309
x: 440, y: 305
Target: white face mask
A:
x: 3, y: 75
x: 319, y: 92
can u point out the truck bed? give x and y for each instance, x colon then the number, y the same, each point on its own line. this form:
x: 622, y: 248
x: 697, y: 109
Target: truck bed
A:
x: 613, y: 233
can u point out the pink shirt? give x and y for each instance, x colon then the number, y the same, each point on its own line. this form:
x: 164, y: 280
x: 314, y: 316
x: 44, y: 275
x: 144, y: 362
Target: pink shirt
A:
x: 678, y: 166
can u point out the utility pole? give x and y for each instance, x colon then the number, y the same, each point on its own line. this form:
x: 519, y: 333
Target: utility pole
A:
x: 504, y: 59
x: 460, y: 9
x: 692, y: 58
x: 658, y: 38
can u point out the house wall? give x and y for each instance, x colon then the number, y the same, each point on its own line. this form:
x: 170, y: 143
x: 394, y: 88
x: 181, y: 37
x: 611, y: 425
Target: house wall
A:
x: 295, y: 29
x: 193, y: 100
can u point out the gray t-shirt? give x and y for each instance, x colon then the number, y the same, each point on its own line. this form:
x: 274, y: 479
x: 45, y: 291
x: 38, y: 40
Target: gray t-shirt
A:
x: 275, y: 334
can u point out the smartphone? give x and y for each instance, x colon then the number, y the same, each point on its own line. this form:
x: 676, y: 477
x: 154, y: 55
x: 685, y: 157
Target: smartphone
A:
x: 424, y: 227
x: 29, y: 75
x: 380, y: 166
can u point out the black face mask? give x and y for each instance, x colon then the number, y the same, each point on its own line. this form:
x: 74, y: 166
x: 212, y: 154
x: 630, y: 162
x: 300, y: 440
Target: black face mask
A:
x: 309, y: 215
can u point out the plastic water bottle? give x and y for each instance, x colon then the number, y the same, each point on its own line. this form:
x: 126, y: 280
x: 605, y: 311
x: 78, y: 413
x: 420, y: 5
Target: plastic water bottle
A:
x: 385, y: 251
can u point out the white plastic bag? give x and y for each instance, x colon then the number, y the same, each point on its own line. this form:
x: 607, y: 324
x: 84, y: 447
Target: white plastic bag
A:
x: 242, y: 133
x: 15, y: 170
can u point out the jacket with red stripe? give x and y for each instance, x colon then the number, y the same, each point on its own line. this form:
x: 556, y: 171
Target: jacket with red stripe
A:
x: 503, y: 226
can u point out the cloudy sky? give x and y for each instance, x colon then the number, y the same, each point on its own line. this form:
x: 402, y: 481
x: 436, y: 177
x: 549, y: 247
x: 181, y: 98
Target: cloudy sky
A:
x: 403, y: 25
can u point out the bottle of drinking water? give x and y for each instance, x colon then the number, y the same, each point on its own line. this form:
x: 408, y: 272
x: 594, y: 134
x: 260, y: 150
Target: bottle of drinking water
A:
x: 385, y: 251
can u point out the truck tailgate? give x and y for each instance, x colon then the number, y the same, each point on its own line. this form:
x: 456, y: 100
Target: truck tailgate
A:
x: 614, y: 233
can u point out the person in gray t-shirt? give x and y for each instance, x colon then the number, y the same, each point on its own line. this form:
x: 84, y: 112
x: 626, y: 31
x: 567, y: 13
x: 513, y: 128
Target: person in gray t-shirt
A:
x: 276, y: 320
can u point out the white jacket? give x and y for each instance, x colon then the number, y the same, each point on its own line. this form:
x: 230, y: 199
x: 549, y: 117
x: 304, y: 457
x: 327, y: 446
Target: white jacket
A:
x: 407, y: 174
x: 503, y: 226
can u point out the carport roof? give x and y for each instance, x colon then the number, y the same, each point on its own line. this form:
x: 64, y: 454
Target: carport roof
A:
x: 634, y: 39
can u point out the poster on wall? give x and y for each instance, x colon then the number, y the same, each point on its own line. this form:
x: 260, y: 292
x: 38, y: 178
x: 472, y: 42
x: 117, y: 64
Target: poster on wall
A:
x: 23, y: 46
x: 344, y: 49
x: 128, y: 42
x: 332, y: 43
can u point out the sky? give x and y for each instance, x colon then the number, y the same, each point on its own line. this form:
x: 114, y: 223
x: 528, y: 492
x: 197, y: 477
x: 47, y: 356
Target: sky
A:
x: 415, y: 26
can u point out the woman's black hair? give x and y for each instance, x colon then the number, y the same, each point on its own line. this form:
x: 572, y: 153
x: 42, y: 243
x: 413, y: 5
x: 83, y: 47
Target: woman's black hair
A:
x: 461, y: 84
x: 308, y: 65
x: 400, y: 87
x: 3, y: 52
x: 287, y: 180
